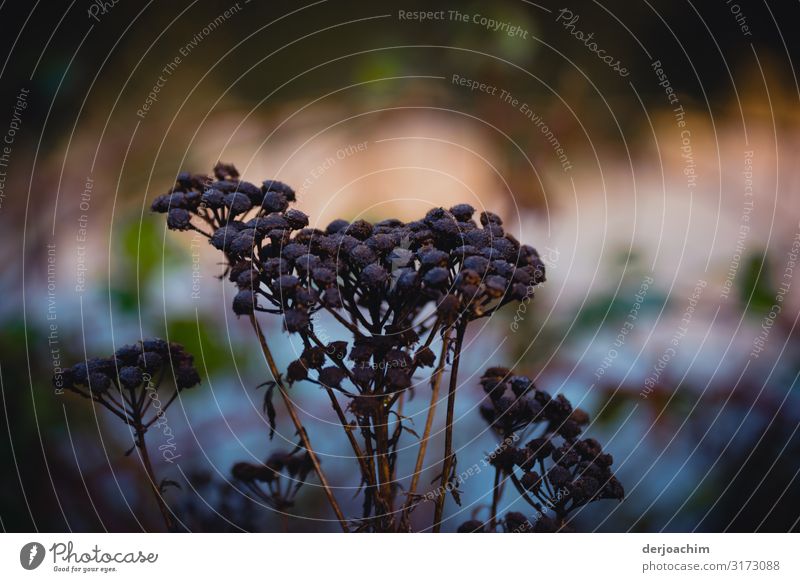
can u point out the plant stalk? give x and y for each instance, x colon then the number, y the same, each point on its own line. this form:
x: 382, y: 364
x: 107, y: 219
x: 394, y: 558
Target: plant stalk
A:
x: 447, y: 463
x: 298, y: 425
x: 423, y: 444
x: 151, y: 476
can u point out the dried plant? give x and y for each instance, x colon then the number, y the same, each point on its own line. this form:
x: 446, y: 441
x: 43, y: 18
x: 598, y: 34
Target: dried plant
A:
x: 392, y: 288
x: 555, y: 472
x: 131, y: 384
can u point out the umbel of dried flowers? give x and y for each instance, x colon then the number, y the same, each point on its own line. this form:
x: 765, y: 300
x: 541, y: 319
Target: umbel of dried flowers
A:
x: 392, y: 286
x: 556, y: 471
x: 132, y: 384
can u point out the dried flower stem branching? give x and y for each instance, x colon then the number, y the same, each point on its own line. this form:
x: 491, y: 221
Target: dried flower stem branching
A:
x: 301, y: 431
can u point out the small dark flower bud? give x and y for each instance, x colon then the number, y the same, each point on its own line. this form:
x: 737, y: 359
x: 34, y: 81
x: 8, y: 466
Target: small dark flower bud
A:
x: 274, y: 202
x: 296, y: 219
x: 295, y: 320
x: 186, y: 377
x: 448, y: 307
x: 99, y: 383
x: 155, y: 345
x: 465, y: 251
x: 294, y: 251
x: 490, y: 218
x: 179, y: 219
x: 579, y: 417
x: 374, y: 275
x: 363, y: 373
x: 237, y: 203
x: 213, y: 198
x: 502, y: 268
x: 331, y: 298
x: 360, y: 229
x: 495, y: 231
x: 331, y: 376
x: 128, y: 355
x: 462, y: 212
x: 434, y: 258
x: 252, y: 191
x: 604, y: 460
x: 244, y: 302
x: 362, y: 255
x: 558, y: 476
x: 243, y: 243
x: 337, y: 226
x: 305, y: 297
x: 519, y: 292
x: 314, y: 357
x: 150, y: 361
x: 248, y: 279
x: 541, y: 447
x: 425, y: 357
x: 569, y: 429
x: 287, y: 285
x: 380, y: 243
x: 521, y: 385
x: 531, y: 481
x: 446, y: 226
x: 476, y: 264
x: 436, y: 278
x: 398, y: 378
x: 407, y: 280
x: 361, y: 352
x: 275, y: 267
x: 130, y: 377
x: 223, y: 237
x: 161, y: 204
x: 323, y: 276
x: 223, y: 171
x: 495, y: 286
x: 297, y: 370
x: 337, y: 350
x: 276, y: 186
x: 263, y: 225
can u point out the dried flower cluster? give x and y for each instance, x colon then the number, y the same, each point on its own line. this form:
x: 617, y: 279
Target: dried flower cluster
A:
x: 556, y: 472
x: 130, y: 384
x: 393, y: 286
x: 403, y: 295
x: 277, y: 481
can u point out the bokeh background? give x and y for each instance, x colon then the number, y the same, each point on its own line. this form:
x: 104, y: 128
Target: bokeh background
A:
x: 669, y: 191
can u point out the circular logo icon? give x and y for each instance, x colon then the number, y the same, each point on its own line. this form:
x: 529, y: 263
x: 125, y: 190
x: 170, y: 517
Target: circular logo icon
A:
x: 31, y: 555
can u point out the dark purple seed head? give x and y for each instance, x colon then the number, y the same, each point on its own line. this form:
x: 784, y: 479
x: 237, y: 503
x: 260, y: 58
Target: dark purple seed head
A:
x: 462, y: 212
x: 244, y: 302
x: 296, y: 219
x: 179, y: 219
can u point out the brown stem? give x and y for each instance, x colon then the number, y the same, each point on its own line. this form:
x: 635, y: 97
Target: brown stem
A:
x: 297, y: 424
x: 151, y: 476
x: 447, y: 464
x: 495, y: 500
x: 423, y: 444
x: 369, y: 477
x: 348, y: 429
x: 382, y: 450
